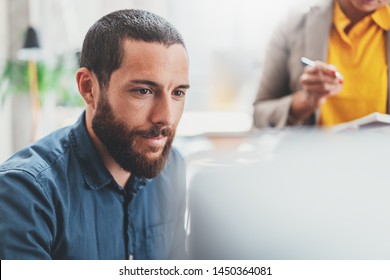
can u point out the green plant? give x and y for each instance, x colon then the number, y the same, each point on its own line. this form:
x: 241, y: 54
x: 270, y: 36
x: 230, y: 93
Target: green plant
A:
x: 14, y: 79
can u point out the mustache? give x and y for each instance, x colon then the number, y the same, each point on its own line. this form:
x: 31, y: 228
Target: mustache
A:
x: 156, y: 131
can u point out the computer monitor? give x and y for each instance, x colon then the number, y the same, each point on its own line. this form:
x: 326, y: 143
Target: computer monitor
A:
x: 312, y: 195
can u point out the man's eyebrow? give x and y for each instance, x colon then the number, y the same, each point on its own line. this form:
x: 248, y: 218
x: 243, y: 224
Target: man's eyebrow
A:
x: 154, y: 84
x: 145, y: 82
x: 184, y: 86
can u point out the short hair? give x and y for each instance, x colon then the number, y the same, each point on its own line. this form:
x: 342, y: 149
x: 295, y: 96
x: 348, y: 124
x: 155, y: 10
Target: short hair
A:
x: 102, y: 49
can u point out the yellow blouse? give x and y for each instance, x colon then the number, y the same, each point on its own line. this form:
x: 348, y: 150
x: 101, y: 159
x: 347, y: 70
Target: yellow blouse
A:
x: 360, y: 56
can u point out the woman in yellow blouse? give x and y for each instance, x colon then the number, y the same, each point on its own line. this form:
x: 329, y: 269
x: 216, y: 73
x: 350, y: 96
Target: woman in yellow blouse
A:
x: 348, y: 36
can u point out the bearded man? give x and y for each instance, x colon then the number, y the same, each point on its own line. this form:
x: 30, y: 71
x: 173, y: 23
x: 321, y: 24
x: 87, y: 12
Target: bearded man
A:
x: 110, y: 186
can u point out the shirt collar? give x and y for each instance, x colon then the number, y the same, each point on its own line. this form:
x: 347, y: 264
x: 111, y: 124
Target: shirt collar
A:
x: 381, y: 17
x: 93, y: 169
x: 340, y: 20
x: 136, y: 184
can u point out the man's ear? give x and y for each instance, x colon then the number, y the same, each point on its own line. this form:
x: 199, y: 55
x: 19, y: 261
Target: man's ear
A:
x: 88, y: 86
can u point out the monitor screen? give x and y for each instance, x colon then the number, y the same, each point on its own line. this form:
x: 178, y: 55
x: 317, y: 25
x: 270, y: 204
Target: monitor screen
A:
x: 310, y: 195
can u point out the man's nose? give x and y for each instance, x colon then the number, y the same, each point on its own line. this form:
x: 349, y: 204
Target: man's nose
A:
x: 163, y: 111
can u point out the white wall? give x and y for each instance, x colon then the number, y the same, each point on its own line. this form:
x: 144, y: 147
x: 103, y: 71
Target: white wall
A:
x: 225, y: 39
x: 5, y: 121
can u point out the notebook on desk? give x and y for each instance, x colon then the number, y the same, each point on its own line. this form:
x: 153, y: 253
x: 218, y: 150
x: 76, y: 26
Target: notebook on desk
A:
x: 372, y: 121
x: 320, y: 196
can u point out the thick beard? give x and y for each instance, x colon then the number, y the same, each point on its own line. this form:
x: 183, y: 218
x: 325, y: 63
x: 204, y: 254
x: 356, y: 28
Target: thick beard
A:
x: 121, y: 145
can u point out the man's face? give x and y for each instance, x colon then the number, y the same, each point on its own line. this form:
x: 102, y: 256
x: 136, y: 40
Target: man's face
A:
x: 137, y: 115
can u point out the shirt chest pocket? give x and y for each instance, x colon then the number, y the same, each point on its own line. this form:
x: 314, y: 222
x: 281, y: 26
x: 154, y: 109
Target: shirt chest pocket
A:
x: 155, y: 242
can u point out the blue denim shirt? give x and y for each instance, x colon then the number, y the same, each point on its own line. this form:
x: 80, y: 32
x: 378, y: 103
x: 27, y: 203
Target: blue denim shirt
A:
x: 58, y: 201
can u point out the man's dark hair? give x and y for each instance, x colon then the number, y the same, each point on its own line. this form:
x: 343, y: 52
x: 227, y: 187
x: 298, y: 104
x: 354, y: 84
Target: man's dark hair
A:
x: 102, y: 50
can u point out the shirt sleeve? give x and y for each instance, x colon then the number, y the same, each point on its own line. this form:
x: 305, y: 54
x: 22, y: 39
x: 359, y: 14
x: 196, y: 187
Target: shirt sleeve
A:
x: 273, y: 100
x: 27, y: 219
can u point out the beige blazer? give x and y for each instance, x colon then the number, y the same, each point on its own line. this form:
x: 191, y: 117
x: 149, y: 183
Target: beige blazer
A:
x: 304, y: 33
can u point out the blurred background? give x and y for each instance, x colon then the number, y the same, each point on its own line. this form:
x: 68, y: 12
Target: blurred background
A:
x: 226, y: 40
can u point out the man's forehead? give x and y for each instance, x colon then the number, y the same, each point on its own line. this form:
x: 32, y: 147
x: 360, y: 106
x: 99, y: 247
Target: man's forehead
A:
x: 148, y: 54
x: 153, y: 61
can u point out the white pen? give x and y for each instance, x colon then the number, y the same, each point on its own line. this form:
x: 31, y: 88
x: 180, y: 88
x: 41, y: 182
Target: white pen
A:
x: 306, y: 61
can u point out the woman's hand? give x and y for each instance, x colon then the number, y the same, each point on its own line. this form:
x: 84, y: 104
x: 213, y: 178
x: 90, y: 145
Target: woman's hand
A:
x: 318, y: 83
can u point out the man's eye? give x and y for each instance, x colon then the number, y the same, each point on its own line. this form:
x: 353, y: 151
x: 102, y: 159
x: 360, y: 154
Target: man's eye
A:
x: 179, y: 93
x: 144, y: 91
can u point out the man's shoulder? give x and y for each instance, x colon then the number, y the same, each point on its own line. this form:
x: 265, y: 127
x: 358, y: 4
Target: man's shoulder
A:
x: 39, y: 156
